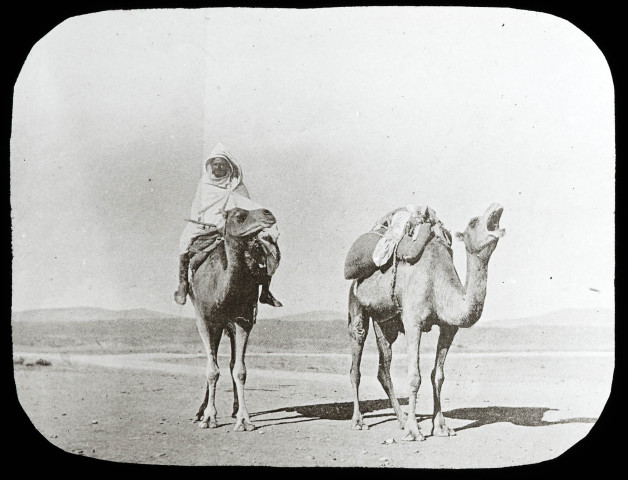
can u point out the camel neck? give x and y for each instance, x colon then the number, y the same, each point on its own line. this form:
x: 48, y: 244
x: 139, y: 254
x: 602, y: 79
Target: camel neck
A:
x: 455, y: 303
x: 234, y: 251
x: 474, y: 290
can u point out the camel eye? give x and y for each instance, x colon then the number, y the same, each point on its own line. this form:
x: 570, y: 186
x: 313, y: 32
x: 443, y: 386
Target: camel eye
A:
x: 240, y: 217
x: 474, y: 222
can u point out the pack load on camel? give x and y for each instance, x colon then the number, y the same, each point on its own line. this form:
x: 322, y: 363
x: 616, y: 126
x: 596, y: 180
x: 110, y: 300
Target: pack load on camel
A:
x: 401, y: 234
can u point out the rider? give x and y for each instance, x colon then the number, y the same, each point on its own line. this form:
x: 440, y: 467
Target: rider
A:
x: 220, y: 188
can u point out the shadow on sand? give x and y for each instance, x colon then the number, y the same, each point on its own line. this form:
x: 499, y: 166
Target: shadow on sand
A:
x: 477, y: 416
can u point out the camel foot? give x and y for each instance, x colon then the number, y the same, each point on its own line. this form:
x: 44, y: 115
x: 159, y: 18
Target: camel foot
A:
x: 402, y: 421
x: 362, y: 426
x: 443, y: 431
x: 208, y: 424
x: 243, y: 425
x: 413, y: 434
x: 357, y: 423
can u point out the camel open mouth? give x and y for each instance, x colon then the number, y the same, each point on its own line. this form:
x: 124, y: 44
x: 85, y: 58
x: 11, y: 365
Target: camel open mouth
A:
x: 492, y: 222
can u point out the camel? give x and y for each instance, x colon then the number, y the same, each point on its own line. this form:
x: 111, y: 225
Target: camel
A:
x: 412, y: 301
x: 224, y: 293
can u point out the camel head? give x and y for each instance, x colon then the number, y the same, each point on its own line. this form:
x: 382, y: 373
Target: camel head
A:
x: 243, y: 224
x: 482, y: 233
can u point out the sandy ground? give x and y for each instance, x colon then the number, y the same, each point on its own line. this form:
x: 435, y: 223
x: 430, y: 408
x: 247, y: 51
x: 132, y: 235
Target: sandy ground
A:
x: 508, y: 409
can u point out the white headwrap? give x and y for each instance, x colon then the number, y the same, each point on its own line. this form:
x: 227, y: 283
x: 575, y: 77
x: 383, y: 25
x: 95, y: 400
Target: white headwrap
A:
x: 229, y: 181
x: 216, y: 194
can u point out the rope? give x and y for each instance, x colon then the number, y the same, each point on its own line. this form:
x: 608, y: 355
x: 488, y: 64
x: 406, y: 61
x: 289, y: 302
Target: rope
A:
x: 394, y: 279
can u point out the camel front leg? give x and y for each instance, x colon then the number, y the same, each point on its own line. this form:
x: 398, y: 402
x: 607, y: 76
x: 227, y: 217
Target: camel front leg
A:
x: 445, y: 337
x: 211, y: 339
x: 358, y: 330
x: 236, y: 405
x: 241, y: 329
x: 386, y: 333
x: 201, y: 409
x: 413, y: 338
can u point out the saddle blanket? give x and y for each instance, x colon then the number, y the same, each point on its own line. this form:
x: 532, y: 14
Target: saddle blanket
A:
x: 261, y: 255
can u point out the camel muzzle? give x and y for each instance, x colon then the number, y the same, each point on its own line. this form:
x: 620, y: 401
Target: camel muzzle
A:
x: 493, y: 216
x: 262, y: 221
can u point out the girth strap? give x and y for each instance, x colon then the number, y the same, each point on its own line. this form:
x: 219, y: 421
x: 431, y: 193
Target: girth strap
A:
x: 394, y: 279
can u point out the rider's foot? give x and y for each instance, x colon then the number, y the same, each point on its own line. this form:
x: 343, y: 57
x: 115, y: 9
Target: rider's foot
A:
x: 181, y: 293
x: 267, y: 298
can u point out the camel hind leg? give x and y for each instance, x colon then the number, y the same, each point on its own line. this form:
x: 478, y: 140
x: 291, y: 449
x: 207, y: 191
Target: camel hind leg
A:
x: 386, y: 333
x: 358, y: 330
x: 236, y: 405
x: 445, y: 337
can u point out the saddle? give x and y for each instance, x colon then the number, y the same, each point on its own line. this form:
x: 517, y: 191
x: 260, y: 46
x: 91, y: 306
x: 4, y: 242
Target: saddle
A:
x: 261, y: 255
x: 202, y: 245
x: 359, y: 261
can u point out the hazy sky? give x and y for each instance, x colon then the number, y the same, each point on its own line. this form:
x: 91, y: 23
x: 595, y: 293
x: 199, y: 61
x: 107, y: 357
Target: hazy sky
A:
x: 336, y: 116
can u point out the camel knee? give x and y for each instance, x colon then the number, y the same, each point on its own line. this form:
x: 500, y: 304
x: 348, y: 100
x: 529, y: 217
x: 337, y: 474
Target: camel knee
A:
x: 358, y: 328
x: 239, y: 373
x: 438, y: 377
x: 358, y: 333
x: 415, y: 382
x: 355, y: 375
x: 212, y: 373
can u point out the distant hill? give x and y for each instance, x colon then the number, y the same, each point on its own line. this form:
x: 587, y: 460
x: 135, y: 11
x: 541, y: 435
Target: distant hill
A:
x: 566, y: 318
x: 562, y: 318
x: 85, y: 314
x: 602, y: 317
x: 314, y: 316
x: 102, y: 330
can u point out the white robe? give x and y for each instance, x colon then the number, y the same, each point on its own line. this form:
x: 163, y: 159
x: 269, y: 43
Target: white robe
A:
x: 213, y: 196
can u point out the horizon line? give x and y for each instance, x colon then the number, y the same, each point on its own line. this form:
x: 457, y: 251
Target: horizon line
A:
x: 304, y: 312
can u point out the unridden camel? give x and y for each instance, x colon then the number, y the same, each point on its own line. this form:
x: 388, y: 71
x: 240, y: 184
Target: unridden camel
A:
x: 411, y: 299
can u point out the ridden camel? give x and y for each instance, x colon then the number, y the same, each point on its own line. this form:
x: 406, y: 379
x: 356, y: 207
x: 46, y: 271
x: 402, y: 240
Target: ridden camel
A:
x: 424, y: 294
x: 224, y: 294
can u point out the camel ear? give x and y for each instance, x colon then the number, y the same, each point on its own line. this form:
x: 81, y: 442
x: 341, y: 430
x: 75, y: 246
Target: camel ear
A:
x: 223, y: 212
x: 459, y: 236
